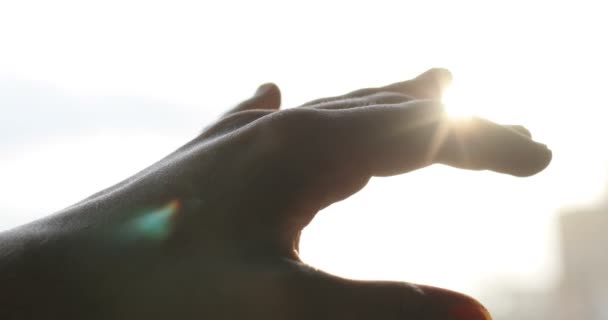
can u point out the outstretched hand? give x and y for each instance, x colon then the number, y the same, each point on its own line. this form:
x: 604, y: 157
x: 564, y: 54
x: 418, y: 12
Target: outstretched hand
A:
x: 212, y: 230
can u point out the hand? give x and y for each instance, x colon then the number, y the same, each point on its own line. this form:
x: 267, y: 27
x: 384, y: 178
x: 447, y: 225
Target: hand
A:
x: 212, y: 230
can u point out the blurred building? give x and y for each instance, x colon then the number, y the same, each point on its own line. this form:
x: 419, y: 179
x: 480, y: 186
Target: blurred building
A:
x: 508, y: 301
x: 583, y: 291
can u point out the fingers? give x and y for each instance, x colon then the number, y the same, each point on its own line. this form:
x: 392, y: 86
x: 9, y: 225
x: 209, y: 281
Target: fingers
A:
x: 335, y: 298
x: 395, y: 139
x: 266, y: 100
x: 267, y: 96
x: 379, y: 98
x: 233, y: 121
x: 480, y: 144
x: 382, y: 140
x: 332, y: 154
x: 428, y: 85
x: 328, y: 155
x: 521, y: 130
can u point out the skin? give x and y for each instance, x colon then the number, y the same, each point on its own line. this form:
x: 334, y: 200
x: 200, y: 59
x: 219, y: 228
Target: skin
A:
x: 212, y: 230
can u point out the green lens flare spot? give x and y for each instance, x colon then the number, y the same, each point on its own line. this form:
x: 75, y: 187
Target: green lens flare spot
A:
x: 155, y: 224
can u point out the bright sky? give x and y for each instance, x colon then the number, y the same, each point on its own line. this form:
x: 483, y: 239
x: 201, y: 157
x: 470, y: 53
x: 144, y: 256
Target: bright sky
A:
x: 91, y: 92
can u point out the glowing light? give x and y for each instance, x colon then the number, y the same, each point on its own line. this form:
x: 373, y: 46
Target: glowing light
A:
x: 457, y: 104
x: 156, y: 224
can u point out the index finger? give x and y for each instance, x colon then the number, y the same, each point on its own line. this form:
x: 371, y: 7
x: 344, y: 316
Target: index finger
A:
x: 481, y: 144
x: 428, y: 85
x: 400, y: 138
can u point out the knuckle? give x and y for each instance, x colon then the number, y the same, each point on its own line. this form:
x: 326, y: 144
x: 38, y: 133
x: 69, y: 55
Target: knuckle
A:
x: 233, y: 122
x: 300, y: 122
x: 345, y: 103
x: 292, y: 126
x: 386, y: 97
x: 363, y: 92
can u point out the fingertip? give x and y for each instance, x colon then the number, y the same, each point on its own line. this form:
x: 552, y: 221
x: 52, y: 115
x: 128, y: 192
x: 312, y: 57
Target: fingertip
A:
x: 465, y: 312
x: 479, y: 144
x: 442, y: 75
x: 267, y: 87
x: 432, y: 83
x: 536, y: 161
x: 269, y: 96
x: 447, y: 304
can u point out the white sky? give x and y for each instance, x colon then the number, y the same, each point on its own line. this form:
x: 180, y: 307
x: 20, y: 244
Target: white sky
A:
x: 87, y: 90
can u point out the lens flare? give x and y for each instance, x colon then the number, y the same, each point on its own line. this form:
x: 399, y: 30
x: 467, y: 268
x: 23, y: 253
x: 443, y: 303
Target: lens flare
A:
x: 155, y: 224
x: 456, y: 104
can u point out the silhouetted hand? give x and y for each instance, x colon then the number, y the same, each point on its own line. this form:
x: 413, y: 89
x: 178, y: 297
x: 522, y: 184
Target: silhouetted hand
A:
x: 212, y: 230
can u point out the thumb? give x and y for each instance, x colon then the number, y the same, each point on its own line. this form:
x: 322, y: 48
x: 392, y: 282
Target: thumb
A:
x: 267, y: 96
x: 349, y: 299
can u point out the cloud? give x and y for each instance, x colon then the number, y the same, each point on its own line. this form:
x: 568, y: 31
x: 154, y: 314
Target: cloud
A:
x: 57, y: 147
x: 31, y: 112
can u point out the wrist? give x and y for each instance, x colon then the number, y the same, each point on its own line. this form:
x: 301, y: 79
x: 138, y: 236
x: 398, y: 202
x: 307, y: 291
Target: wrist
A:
x: 54, y: 269
x: 38, y: 281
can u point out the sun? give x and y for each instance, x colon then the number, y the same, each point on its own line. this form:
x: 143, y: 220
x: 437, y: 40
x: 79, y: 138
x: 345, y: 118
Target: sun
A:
x: 457, y: 104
